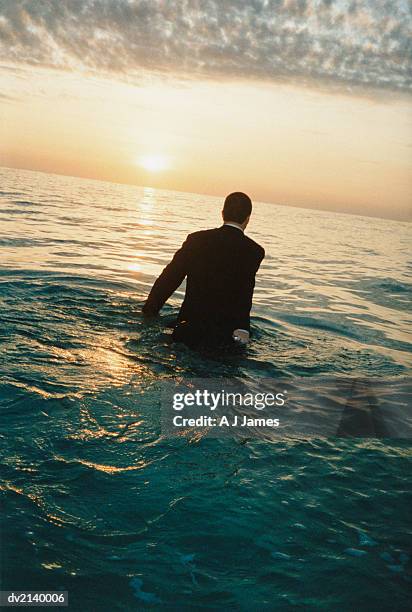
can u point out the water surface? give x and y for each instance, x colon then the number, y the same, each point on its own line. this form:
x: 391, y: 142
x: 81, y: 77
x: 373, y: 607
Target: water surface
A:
x: 98, y: 502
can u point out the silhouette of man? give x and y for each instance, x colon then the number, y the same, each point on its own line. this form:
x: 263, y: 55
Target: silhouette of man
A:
x: 220, y: 266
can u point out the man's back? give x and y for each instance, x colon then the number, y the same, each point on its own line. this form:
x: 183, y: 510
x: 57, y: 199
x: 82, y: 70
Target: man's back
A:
x: 220, y: 278
x: 220, y: 266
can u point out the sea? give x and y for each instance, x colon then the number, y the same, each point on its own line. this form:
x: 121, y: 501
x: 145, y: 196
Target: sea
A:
x: 99, y: 502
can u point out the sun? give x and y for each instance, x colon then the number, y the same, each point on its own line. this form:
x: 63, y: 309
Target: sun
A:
x: 154, y: 163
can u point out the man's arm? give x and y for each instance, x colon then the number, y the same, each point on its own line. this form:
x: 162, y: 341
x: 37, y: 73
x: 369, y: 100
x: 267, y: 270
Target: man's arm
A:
x: 169, y: 280
x: 244, y: 305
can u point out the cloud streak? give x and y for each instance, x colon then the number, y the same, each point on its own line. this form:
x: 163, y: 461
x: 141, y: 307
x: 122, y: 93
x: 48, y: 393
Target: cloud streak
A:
x: 341, y: 44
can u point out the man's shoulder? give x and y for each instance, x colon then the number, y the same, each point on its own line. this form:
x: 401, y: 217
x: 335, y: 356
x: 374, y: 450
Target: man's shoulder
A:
x: 257, y: 248
x: 209, y: 235
x: 203, y: 234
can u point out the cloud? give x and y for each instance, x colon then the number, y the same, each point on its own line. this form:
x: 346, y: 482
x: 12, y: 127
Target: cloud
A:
x: 341, y: 44
x: 6, y: 98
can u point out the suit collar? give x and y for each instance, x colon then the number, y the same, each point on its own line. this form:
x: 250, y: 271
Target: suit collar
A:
x: 235, y: 225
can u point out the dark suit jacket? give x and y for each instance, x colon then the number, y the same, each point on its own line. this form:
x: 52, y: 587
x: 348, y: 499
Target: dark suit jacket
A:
x: 220, y: 265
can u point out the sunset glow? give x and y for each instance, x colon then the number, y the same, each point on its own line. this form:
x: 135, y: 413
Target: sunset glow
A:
x: 335, y: 137
x: 153, y: 163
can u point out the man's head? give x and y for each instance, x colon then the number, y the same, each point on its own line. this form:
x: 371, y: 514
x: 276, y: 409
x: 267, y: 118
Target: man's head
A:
x: 237, y: 208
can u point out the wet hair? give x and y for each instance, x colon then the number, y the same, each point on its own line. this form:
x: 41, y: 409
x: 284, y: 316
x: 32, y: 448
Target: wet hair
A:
x: 237, y: 207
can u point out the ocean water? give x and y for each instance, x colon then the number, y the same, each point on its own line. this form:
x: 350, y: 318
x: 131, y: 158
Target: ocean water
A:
x: 98, y: 502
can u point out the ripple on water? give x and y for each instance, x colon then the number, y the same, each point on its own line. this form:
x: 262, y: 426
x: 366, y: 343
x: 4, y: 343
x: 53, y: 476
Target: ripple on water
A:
x: 98, y: 501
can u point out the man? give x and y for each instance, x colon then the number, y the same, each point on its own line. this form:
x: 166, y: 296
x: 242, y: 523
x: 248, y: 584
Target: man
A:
x: 220, y: 265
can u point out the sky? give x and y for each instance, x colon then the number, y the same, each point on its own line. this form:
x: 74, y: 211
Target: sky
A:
x: 297, y: 102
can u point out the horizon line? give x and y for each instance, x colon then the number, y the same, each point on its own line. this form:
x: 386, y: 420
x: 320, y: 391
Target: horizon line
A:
x: 209, y: 195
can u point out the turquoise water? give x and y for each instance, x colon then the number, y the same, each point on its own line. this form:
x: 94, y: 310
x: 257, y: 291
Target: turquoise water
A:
x: 97, y: 502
